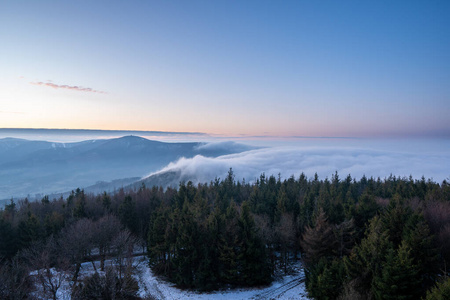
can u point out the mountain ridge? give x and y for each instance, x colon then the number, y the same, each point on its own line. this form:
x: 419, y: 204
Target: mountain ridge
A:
x: 35, y: 168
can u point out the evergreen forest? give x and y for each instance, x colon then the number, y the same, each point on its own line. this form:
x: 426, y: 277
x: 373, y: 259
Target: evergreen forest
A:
x: 366, y: 238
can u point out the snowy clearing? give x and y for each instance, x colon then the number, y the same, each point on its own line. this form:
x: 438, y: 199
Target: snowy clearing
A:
x: 288, y: 287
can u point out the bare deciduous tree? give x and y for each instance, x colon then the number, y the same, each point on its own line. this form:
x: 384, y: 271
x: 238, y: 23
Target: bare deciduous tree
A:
x: 77, y: 243
x: 105, y: 229
x: 49, y: 267
x: 15, y: 282
x: 123, y: 245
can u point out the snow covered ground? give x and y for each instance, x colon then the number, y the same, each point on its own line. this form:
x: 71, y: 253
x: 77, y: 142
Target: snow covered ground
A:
x: 288, y: 287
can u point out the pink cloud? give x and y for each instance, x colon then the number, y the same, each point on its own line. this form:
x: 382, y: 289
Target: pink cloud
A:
x: 68, y: 87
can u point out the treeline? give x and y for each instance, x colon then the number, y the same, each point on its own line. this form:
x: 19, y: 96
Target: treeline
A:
x: 364, y: 239
x: 44, y: 244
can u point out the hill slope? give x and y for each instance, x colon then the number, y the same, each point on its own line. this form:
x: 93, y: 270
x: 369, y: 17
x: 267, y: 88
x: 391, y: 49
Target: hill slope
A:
x: 34, y: 168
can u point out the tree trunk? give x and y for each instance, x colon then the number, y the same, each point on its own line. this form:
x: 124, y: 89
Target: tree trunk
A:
x: 77, y: 271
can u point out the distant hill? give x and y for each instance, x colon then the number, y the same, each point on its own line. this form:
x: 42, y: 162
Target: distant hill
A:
x: 164, y: 179
x: 35, y: 168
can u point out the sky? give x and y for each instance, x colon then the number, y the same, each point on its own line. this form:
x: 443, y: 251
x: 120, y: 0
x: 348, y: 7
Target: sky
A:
x: 228, y: 68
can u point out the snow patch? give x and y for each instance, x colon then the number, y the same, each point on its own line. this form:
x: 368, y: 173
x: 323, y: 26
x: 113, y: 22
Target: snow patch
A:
x: 288, y: 287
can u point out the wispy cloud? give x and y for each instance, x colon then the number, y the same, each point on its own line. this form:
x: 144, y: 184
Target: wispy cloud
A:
x: 68, y: 87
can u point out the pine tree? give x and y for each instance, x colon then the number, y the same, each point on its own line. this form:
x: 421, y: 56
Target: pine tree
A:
x: 106, y: 201
x: 441, y: 291
x: 399, y: 278
x: 158, y: 249
x: 281, y: 204
x: 423, y: 249
x: 29, y: 230
x: 325, y: 279
x: 8, y: 241
x: 229, y: 244
x: 366, y: 208
x: 318, y: 241
x: 366, y: 260
x: 186, y: 259
x: 255, y: 268
x: 127, y: 214
x: 345, y: 235
x: 394, y: 219
x: 80, y: 204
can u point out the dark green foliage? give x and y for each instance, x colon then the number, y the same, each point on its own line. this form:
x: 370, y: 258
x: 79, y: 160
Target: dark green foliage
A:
x: 127, y: 214
x: 8, y: 242
x: 187, y: 258
x: 106, y: 201
x: 325, y: 279
x: 319, y: 241
x: 357, y: 238
x: 255, y: 268
x: 345, y: 236
x: 80, y: 204
x: 399, y: 276
x: 395, y: 218
x: 441, y: 291
x: 366, y: 260
x: 200, y: 248
x: 229, y: 245
x: 365, y: 209
x: 423, y: 249
x: 53, y: 223
x: 29, y: 230
x: 397, y: 258
x: 158, y: 243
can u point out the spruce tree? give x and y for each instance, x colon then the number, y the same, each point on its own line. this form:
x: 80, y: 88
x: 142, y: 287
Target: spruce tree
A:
x: 441, y: 291
x: 255, y: 268
x: 127, y: 214
x: 325, y: 279
x: 158, y: 249
x: 229, y: 245
x: 318, y: 241
x: 8, y: 241
x: 424, y: 252
x: 29, y: 230
x: 366, y: 260
x: 399, y: 277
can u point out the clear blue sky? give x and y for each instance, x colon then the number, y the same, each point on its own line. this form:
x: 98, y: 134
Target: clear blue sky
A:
x: 280, y: 68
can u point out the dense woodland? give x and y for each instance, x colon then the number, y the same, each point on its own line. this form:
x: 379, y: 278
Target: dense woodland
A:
x: 357, y: 239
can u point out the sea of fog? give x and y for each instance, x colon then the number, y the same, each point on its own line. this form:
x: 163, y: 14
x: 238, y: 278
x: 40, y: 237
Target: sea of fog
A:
x: 358, y: 157
x: 372, y: 157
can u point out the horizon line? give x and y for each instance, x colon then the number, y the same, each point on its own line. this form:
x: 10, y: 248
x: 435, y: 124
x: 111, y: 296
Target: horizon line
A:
x: 105, y: 130
x: 215, y: 135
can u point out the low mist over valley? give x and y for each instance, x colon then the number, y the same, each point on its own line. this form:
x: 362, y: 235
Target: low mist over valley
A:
x: 36, y: 168
x: 33, y: 168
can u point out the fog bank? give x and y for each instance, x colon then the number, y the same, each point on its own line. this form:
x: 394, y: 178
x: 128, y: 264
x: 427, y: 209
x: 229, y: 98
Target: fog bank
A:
x: 324, y: 161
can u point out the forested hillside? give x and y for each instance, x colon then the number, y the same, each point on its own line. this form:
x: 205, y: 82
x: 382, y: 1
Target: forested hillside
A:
x: 96, y: 165
x: 360, y: 239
